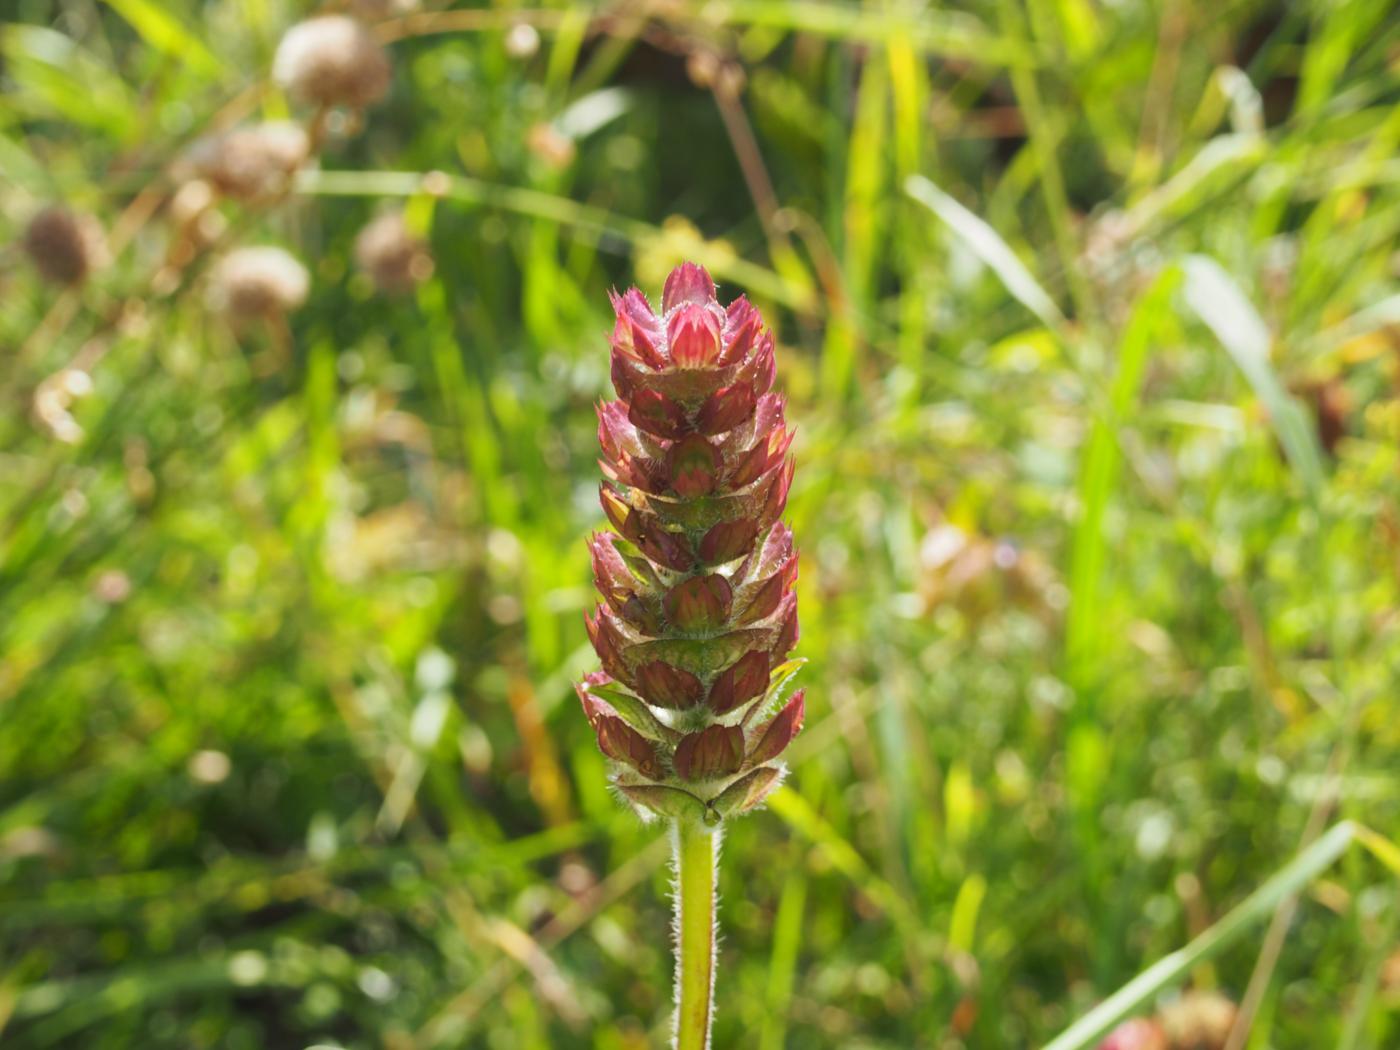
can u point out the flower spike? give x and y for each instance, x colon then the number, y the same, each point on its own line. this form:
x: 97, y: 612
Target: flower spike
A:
x: 697, y: 576
x: 698, y: 611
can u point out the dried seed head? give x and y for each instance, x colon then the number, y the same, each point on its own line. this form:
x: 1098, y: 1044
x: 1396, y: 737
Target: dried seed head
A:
x: 253, y: 162
x: 332, y: 60
x: 55, y: 396
x: 551, y: 145
x: 522, y: 40
x: 196, y: 224
x: 255, y: 283
x: 112, y: 587
x: 702, y: 66
x: 191, y: 201
x: 1198, y: 1021
x: 65, y: 248
x: 393, y: 257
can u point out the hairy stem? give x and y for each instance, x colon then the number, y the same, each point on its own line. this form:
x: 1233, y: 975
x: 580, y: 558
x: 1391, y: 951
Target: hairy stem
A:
x: 696, y: 848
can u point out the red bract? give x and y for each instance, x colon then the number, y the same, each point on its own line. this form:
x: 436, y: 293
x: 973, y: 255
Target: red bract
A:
x: 740, y: 682
x: 725, y: 409
x: 620, y: 741
x: 697, y: 584
x: 667, y: 686
x: 693, y: 466
x: 717, y: 751
x: 700, y: 603
x: 727, y: 541
x: 774, y: 738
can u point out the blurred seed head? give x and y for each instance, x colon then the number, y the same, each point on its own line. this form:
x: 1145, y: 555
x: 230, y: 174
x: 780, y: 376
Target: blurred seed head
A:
x: 64, y: 247
x: 505, y: 609
x: 74, y: 503
x: 258, y: 283
x: 522, y: 41
x: 190, y: 201
x: 253, y: 162
x: 332, y: 60
x: 112, y: 587
x: 1198, y: 1021
x: 29, y: 840
x: 576, y: 878
x: 198, y: 224
x: 209, y: 767
x: 709, y: 71
x: 979, y: 575
x: 1390, y: 973
x: 54, y: 397
x: 436, y: 183
x: 394, y: 258
x: 702, y: 67
x: 551, y: 145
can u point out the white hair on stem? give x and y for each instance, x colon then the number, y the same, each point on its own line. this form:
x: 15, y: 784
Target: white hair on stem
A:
x: 678, y: 925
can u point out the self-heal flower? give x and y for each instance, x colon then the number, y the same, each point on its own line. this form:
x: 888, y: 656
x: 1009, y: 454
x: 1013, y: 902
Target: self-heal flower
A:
x: 698, y: 612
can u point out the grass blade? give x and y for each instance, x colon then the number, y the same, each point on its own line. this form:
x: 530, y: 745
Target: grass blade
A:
x: 844, y: 857
x: 160, y: 29
x: 928, y: 31
x: 782, y: 966
x: 1098, y: 478
x: 988, y: 245
x: 1172, y: 968
x: 1216, y: 299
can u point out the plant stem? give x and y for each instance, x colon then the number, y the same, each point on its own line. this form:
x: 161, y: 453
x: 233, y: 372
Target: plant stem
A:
x: 696, y: 849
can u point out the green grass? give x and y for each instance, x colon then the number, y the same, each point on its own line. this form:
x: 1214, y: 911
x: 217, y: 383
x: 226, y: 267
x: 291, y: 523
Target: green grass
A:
x: 1102, y: 623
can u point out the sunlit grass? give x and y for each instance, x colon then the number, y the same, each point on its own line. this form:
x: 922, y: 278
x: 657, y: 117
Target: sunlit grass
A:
x: 1088, y: 318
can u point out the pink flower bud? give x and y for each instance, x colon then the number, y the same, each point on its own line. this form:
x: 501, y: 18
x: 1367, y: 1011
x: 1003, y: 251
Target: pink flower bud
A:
x: 693, y: 335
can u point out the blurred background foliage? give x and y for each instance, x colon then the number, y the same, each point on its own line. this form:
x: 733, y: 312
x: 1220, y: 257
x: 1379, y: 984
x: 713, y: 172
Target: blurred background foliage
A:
x: 1088, y: 314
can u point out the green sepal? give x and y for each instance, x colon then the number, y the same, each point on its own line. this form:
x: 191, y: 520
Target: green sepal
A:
x: 700, y: 656
x: 665, y: 801
x: 779, y: 688
x: 746, y: 792
x: 637, y: 563
x: 635, y: 712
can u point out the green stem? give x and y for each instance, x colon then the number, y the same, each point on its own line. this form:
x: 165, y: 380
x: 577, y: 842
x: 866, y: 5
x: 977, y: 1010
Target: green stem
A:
x: 696, y: 849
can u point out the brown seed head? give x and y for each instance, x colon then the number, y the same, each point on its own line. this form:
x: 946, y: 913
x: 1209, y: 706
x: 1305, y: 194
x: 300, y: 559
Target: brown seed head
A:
x: 1198, y: 1021
x: 332, y: 60
x: 253, y: 283
x: 64, y: 247
x: 252, y: 162
x: 522, y: 41
x: 394, y: 258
